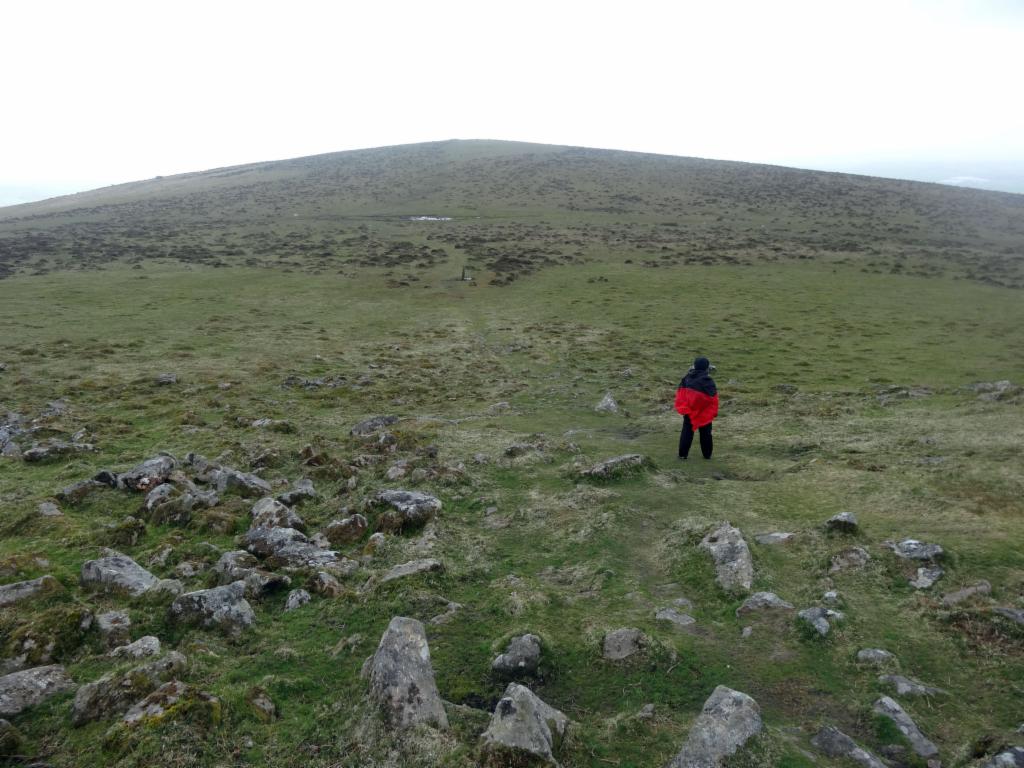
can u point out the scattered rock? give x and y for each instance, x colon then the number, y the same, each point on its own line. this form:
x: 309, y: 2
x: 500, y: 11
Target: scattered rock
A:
x: 274, y: 425
x: 173, y: 502
x: 407, y: 509
x: 412, y: 568
x: 147, y: 645
x: 850, y: 559
x: 623, y: 643
x: 835, y: 743
x: 346, y: 530
x: 619, y: 466
x: 912, y: 549
x: 728, y: 720
x: 819, y: 619
x: 223, y: 607
x: 369, y: 426
x: 271, y: 513
x: 115, y: 692
x: 29, y: 687
x: 245, y: 484
x: 301, y: 492
x: 24, y: 590
x: 875, y: 656
x: 114, y: 628
x: 522, y: 657
x: 607, y: 404
x: 966, y: 593
x: 733, y: 567
x: 116, y: 573
x: 889, y: 708
x: 523, y: 729
x: 296, y: 599
x: 76, y: 493
x: 844, y: 522
x: 774, y: 538
x: 905, y: 686
x: 763, y: 601
x: 49, y: 509
x: 264, y: 542
x: 401, y: 678
x: 832, y: 597
x: 926, y: 577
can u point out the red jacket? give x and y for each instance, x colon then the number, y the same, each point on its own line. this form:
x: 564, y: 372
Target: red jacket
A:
x: 697, y: 397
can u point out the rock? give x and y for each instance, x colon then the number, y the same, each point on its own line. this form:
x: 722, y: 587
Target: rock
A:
x: 763, y: 601
x: 832, y: 597
x: 326, y: 585
x: 728, y: 720
x: 223, y: 607
x: 29, y: 687
x: 301, y: 492
x: 844, y: 522
x: 115, y: 692
x: 852, y: 558
x: 299, y: 555
x: 165, y: 379
x: 607, y: 404
x: 147, y: 645
x: 926, y: 577
x: 774, y: 538
x: 172, y: 503
x: 49, y: 509
x: 521, y: 657
x: 296, y: 599
x: 887, y: 707
x: 54, y: 449
x: 166, y: 588
x: 835, y: 743
x: 76, y: 493
x: 128, y: 532
x: 369, y: 426
x: 402, y: 680
x: 239, y: 565
x: 875, y: 656
x: 149, y: 474
x: 274, y: 425
x: 114, y: 628
x: 264, y: 542
x: 346, y: 530
x: 173, y: 697
x: 245, y: 484
x: 677, y: 619
x: 412, y: 568
x: 1015, y: 615
x: 262, y: 704
x: 523, y: 729
x: 966, y: 593
x: 116, y: 573
x: 618, y: 466
x: 622, y: 643
x: 376, y: 542
x: 912, y: 549
x: 733, y: 567
x: 905, y: 686
x: 25, y: 590
x: 271, y: 513
x: 1008, y: 758
x: 819, y: 619
x: 407, y: 509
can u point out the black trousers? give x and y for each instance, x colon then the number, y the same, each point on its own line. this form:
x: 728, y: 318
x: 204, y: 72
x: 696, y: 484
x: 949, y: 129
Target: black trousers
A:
x: 686, y: 439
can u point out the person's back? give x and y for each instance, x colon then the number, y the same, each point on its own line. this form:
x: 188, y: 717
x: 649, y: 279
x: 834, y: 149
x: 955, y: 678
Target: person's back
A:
x: 697, y: 402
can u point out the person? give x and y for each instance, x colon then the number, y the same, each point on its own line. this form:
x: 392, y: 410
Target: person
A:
x: 697, y: 401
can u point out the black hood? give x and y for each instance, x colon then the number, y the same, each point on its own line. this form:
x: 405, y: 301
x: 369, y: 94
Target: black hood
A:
x: 699, y: 381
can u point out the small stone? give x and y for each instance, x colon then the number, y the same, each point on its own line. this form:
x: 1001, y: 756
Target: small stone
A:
x: 912, y: 549
x: 271, y: 513
x: 326, y: 585
x: 926, y: 577
x: 875, y: 656
x: 621, y: 644
x: 607, y: 404
x: 25, y: 590
x: 147, y: 645
x: 746, y: 632
x: 49, y: 509
x: 116, y: 573
x: 296, y: 599
x: 1008, y: 758
x: 675, y: 618
x: 262, y: 704
x: 617, y: 467
x: 406, y: 509
x: 831, y: 597
x: 114, y: 628
x: 223, y: 607
x: 763, y: 601
x: 346, y: 530
x: 166, y: 379
x: 834, y: 743
x: 820, y: 619
x: 844, y: 522
x: 375, y: 424
x: 301, y: 492
x: 521, y: 657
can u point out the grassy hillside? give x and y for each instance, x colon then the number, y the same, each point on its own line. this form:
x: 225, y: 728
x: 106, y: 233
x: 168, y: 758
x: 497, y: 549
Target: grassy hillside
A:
x: 847, y: 351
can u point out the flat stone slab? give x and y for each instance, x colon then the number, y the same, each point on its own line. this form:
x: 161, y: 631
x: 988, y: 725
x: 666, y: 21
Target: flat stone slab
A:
x: 763, y: 601
x: 676, y: 618
x: 963, y: 594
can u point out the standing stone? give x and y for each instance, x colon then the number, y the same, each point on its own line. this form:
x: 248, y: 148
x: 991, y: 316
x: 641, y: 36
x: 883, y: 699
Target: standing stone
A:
x: 835, y: 743
x: 402, y: 679
x: 522, y: 657
x: 29, y: 687
x: 887, y: 707
x: 844, y: 522
x: 733, y: 567
x: 116, y: 573
x: 729, y: 719
x: 523, y: 729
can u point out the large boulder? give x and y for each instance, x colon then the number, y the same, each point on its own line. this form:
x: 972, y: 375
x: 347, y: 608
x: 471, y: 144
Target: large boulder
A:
x: 521, y: 657
x: 523, y: 729
x: 402, y: 680
x: 116, y: 572
x: 727, y: 721
x: 222, y: 607
x: 834, y: 743
x: 271, y: 513
x: 29, y: 687
x: 115, y: 692
x: 23, y: 590
x: 405, y: 509
x: 889, y: 708
x: 734, y: 569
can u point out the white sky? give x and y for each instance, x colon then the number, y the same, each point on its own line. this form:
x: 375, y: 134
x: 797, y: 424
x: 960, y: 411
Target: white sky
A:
x: 98, y: 92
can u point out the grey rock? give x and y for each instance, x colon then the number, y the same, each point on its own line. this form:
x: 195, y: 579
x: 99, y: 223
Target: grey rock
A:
x: 264, y: 542
x: 905, y: 686
x: 116, y: 573
x: 844, y: 522
x: 301, y: 492
x: 54, y: 449
x: 875, y: 656
x: 234, y: 566
x: 927, y: 576
x: 727, y: 721
x: 296, y: 599
x: 223, y: 607
x: 115, y: 692
x: 29, y: 687
x: 271, y: 513
x: 676, y: 618
x: 163, y: 700
x: 607, y: 404
x: 299, y: 556
x: 763, y: 601
x: 149, y: 474
x: 406, y: 509
x: 834, y: 743
x: 1013, y: 614
x: 887, y: 707
x: 523, y: 729
x: 832, y: 597
x: 346, y: 530
x: 734, y: 570
x: 147, y: 645
x: 165, y: 379
x: 850, y: 559
x: 49, y: 509
x: 617, y: 466
x: 963, y: 594
x: 114, y: 628
x: 369, y: 426
x: 174, y: 502
x: 25, y: 590
x: 769, y: 539
x: 912, y: 549
x: 76, y: 493
x: 166, y: 588
x: 820, y: 619
x: 412, y: 568
x: 245, y: 484
x: 326, y: 585
x: 521, y: 657
x: 623, y: 643
x: 402, y: 680
x: 1008, y: 758
x: 274, y: 425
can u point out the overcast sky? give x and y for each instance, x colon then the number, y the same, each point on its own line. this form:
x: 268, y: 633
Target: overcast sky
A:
x: 102, y: 92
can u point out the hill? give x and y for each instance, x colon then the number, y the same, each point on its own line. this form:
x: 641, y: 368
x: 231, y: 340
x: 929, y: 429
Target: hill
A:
x: 191, y: 371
